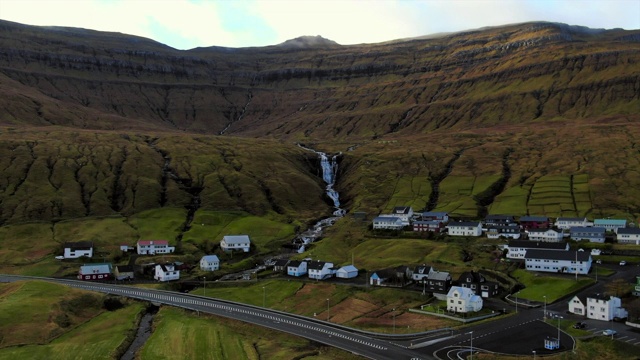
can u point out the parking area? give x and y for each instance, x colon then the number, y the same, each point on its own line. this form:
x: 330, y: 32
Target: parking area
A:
x: 630, y: 336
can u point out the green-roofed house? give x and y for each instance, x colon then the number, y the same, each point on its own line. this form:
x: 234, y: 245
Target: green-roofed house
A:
x: 610, y: 224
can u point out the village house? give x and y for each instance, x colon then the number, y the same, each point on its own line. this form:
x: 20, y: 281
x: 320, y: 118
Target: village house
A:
x: 123, y: 272
x: 166, y: 272
x: 629, y: 236
x: 497, y: 232
x: 235, y: 242
x: 320, y: 270
x: 297, y: 268
x: 101, y: 271
x: 430, y: 225
x: 280, y: 265
x: 478, y: 284
x: 566, y: 223
x: 405, y: 213
x: 534, y: 222
x: 209, y: 263
x: 398, y: 276
x: 544, y: 235
x: 421, y: 273
x: 438, y: 282
x: 153, y: 247
x: 74, y: 250
x: 598, y: 307
x: 518, y: 248
x: 499, y: 220
x: 387, y: 222
x: 593, y: 234
x: 347, y: 272
x: 438, y: 216
x: 463, y: 300
x: 465, y: 228
x: 610, y: 224
x: 558, y: 261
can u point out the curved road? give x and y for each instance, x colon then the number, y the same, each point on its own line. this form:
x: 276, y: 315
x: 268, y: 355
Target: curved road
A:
x: 322, y: 332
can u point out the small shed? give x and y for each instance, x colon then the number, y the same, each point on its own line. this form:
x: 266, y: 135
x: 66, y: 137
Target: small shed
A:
x: 347, y: 272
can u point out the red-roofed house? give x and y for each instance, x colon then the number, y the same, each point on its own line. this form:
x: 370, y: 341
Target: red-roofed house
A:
x: 152, y: 247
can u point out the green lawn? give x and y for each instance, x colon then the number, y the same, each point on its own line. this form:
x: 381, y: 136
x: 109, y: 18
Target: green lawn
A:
x: 538, y: 285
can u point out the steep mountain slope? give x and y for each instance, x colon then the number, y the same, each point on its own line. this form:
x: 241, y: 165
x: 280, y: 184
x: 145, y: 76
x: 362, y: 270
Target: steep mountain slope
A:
x: 537, y: 118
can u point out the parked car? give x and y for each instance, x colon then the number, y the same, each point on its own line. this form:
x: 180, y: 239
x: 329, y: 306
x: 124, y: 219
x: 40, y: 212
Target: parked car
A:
x: 579, y: 325
x: 59, y: 257
x: 609, y: 332
x: 598, y: 261
x: 623, y: 263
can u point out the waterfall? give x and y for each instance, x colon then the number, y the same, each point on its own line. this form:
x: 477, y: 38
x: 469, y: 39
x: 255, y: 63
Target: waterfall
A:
x: 329, y: 170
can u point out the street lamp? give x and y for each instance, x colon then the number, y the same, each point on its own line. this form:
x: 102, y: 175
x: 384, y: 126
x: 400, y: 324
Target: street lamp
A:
x: 517, y: 302
x: 545, y: 308
x: 264, y: 296
x: 424, y: 286
x: 471, y: 344
x: 394, y: 320
x: 534, y: 355
x: 559, y: 317
x: 204, y: 281
x: 328, y: 309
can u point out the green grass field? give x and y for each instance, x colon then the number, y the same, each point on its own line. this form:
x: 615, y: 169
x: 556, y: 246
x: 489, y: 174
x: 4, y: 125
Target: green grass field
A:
x: 538, y: 285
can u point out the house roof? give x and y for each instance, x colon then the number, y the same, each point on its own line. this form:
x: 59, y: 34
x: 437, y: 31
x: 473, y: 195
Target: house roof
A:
x: 316, y: 265
x: 236, y: 239
x: 210, y: 258
x: 528, y: 244
x: 438, y: 214
x: 124, y: 268
x: 584, y: 229
x: 153, y: 242
x: 295, y: 263
x: 464, y: 292
x: 439, y: 275
x: 387, y: 218
x: 428, y: 222
x: 619, y: 222
x: 281, y: 262
x: 500, y: 217
x: 422, y: 269
x: 629, y: 231
x: 599, y: 297
x: 464, y: 223
x: 573, y: 219
x: 471, y: 276
x: 80, y: 245
x: 348, y: 268
x: 103, y: 268
x: 557, y: 255
x: 582, y: 298
x: 541, y: 230
x: 401, y: 209
x: 166, y: 267
x: 534, y: 218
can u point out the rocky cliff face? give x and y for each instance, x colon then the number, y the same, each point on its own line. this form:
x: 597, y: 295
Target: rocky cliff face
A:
x: 508, y: 75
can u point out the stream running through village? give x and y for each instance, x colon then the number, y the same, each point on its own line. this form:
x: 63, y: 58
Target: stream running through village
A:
x: 142, y: 335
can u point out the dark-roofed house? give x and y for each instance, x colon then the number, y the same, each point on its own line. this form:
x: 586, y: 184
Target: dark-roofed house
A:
x: 629, y: 236
x: 544, y: 235
x: 558, y: 261
x: 534, y: 222
x: 123, y: 272
x: 166, y: 272
x: 404, y: 213
x: 421, y: 272
x: 74, y: 250
x: 280, y: 265
x: 577, y: 305
x: 479, y: 284
x: 320, y: 270
x: 465, y: 228
x: 500, y: 220
x: 439, y: 282
x: 296, y: 268
x: 518, y: 248
x: 398, y: 276
x: 593, y: 234
x: 439, y: 216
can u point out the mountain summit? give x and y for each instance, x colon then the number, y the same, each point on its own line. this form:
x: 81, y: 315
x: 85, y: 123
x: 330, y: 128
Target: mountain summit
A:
x: 309, y: 42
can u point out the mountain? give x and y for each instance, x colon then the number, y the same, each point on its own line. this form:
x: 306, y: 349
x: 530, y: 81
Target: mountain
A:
x: 537, y: 118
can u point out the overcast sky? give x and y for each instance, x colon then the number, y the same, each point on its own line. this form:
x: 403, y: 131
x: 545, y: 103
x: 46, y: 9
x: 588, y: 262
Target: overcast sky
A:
x: 185, y: 24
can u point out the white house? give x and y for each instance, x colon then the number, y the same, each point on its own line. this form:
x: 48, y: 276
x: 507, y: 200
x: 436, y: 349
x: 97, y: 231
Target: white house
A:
x: 516, y: 249
x: 598, y: 307
x: 152, y: 247
x: 209, y: 263
x: 421, y: 273
x: 592, y: 234
x: 465, y: 228
x: 510, y: 232
x: 347, y: 272
x: 404, y: 213
x: 235, y: 242
x: 629, y: 236
x: 296, y: 268
x: 611, y: 224
x: 320, y: 270
x: 387, y: 222
x: 544, y: 235
x: 442, y: 217
x: 74, y: 250
x: 166, y: 272
x: 463, y: 300
x: 558, y: 261
x: 566, y: 223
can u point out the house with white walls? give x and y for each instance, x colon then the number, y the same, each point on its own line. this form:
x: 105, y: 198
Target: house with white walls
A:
x: 517, y: 249
x: 74, y: 250
x: 153, y: 247
x: 629, y: 236
x: 235, y: 243
x: 463, y: 300
x: 387, y: 222
x: 558, y: 261
x: 209, y: 263
x: 598, y: 307
x: 465, y: 228
x: 544, y: 235
x: 166, y: 272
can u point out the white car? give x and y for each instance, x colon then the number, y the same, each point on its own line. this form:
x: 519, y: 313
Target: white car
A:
x: 609, y: 332
x: 623, y: 263
x: 59, y: 257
